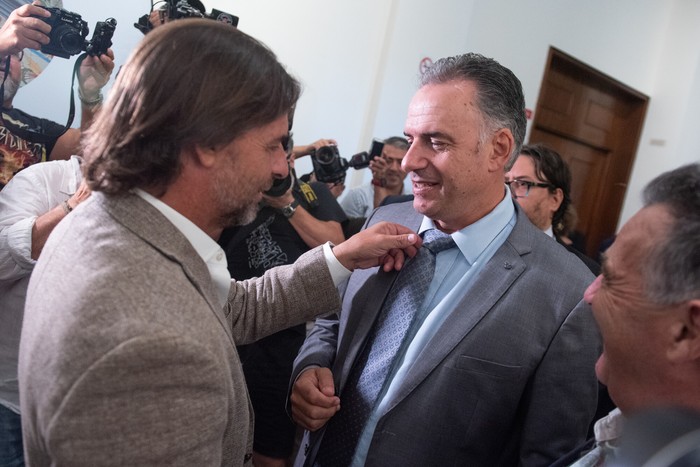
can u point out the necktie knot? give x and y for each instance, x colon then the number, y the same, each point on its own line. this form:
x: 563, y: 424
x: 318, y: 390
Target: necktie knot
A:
x: 437, y: 241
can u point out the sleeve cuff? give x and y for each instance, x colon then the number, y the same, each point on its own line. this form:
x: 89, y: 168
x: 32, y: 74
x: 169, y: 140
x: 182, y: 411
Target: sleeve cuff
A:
x: 339, y: 273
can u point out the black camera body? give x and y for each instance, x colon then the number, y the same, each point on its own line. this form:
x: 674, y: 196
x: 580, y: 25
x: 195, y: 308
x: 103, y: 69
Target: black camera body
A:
x: 281, y: 185
x: 361, y: 160
x: 178, y: 9
x: 102, y: 37
x: 68, y: 33
x: 329, y: 167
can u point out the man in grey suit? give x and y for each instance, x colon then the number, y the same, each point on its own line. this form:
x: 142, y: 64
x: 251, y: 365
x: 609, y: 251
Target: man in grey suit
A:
x: 496, y: 366
x: 128, y: 355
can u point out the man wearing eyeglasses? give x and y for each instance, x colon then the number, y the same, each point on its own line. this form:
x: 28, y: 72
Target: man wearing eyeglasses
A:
x: 540, y: 181
x: 25, y: 139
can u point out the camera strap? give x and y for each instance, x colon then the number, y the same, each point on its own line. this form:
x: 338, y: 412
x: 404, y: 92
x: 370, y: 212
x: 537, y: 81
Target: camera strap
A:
x: 71, y: 112
x: 6, y: 73
x: 308, y: 192
x: 38, y: 137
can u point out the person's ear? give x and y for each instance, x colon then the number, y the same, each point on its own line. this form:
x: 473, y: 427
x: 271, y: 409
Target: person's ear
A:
x: 503, y: 145
x: 686, y: 333
x: 204, y: 156
x: 556, y: 198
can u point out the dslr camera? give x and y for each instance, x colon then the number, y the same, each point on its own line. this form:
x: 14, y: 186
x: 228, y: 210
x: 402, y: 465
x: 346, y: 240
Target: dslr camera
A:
x: 329, y: 167
x: 177, y: 9
x: 68, y: 33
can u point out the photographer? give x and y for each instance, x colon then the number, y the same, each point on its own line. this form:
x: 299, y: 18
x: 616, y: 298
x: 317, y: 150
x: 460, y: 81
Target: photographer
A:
x: 25, y: 139
x: 387, y: 180
x: 305, y: 216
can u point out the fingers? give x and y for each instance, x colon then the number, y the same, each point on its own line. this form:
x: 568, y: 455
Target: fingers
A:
x: 324, y: 142
x: 313, y: 398
x: 378, y: 245
x: 22, y: 30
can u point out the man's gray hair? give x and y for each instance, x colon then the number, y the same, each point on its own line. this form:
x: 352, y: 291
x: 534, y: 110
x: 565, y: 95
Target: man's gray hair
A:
x: 672, y: 272
x: 499, y: 92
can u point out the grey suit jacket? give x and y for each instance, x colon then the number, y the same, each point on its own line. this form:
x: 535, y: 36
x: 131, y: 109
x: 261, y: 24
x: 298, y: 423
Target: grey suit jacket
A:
x: 507, y: 380
x: 126, y: 358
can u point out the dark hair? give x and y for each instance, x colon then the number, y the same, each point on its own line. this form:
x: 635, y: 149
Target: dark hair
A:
x: 398, y: 142
x: 551, y: 168
x: 499, y: 92
x: 672, y: 272
x: 189, y: 83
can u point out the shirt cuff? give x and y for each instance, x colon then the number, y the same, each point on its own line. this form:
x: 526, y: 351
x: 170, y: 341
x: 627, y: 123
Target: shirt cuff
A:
x: 339, y: 273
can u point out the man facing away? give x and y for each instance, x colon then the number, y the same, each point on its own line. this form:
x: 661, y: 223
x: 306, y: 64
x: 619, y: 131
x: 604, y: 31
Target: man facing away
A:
x: 127, y: 355
x: 493, y: 364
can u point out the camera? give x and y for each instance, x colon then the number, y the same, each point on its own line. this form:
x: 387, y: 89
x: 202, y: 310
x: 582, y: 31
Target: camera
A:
x: 101, y: 38
x: 281, y: 185
x: 68, y: 33
x: 177, y: 9
x: 329, y: 167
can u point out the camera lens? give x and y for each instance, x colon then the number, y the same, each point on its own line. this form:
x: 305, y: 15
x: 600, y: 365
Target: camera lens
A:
x: 70, y: 41
x: 326, y: 154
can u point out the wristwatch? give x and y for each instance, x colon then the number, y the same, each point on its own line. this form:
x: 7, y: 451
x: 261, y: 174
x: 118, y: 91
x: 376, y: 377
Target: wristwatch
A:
x: 289, y: 210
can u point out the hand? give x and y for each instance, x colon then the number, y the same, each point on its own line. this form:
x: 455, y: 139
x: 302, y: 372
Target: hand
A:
x: 94, y: 74
x: 313, y: 398
x: 23, y: 31
x: 336, y: 188
x: 379, y: 167
x: 384, y: 244
x: 81, y: 194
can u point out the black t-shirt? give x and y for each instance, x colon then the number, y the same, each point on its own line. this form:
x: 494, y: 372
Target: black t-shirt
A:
x: 24, y: 140
x: 270, y: 240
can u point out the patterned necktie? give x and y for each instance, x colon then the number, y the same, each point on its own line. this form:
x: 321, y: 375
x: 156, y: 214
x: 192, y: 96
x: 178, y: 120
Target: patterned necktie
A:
x: 374, y: 363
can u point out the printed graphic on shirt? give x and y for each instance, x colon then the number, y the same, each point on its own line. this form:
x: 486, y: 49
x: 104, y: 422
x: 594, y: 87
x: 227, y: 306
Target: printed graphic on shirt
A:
x: 264, y: 252
x: 17, y: 153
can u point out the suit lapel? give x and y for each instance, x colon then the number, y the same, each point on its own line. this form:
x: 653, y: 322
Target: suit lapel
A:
x: 366, y: 291
x: 497, y: 276
x: 146, y: 222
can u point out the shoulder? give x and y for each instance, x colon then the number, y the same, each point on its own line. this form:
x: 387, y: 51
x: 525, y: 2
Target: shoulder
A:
x: 400, y: 213
x: 546, y: 260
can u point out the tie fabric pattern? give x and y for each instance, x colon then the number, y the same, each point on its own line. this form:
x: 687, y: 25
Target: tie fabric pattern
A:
x: 369, y: 373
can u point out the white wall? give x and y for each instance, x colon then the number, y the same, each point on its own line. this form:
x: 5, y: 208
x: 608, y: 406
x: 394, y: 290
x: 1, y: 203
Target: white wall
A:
x: 359, y: 60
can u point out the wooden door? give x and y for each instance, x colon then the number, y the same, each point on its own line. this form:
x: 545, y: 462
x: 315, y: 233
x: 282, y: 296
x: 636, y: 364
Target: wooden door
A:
x: 595, y: 123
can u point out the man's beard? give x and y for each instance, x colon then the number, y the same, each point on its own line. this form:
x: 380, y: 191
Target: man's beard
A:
x: 234, y: 209
x: 11, y: 87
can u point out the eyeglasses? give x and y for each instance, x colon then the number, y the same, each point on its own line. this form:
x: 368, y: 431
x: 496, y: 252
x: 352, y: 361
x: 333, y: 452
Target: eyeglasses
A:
x: 521, y: 188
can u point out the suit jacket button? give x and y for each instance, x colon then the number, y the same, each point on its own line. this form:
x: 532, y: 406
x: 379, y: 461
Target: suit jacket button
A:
x: 247, y: 457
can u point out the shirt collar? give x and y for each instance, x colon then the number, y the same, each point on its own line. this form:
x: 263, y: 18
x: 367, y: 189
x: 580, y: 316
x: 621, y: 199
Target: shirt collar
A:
x: 473, y: 239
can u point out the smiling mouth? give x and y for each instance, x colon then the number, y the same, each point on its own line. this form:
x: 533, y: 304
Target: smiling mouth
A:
x: 422, y: 185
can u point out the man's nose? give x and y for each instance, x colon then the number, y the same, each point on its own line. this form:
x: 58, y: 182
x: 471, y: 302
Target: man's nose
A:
x: 280, y: 166
x: 413, y: 160
x: 592, y: 290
